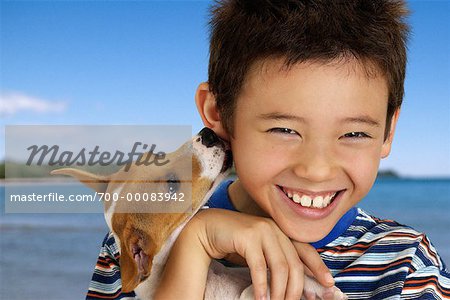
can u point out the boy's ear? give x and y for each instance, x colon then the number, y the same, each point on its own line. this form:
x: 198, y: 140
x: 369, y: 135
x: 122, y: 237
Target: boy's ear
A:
x: 387, y: 145
x: 207, y: 108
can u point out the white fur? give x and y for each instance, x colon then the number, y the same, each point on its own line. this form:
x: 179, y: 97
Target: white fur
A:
x: 210, y: 158
x: 146, y: 289
x: 311, y: 288
x: 109, y: 214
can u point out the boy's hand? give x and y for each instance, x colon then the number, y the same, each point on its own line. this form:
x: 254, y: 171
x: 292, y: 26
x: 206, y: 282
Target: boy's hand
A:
x: 263, y: 246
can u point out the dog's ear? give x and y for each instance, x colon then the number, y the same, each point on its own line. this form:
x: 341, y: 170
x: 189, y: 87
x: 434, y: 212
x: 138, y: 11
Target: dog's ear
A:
x: 136, y: 258
x: 93, y: 181
x: 135, y: 267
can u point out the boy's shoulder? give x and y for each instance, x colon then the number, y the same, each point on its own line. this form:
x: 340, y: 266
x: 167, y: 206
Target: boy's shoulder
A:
x: 385, y: 239
x: 390, y: 258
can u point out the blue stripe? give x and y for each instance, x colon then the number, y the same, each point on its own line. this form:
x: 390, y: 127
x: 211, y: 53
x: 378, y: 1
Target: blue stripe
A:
x: 220, y: 198
x: 341, y: 226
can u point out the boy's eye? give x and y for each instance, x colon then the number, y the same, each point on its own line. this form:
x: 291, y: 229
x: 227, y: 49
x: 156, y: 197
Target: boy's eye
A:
x: 356, y: 134
x: 282, y: 130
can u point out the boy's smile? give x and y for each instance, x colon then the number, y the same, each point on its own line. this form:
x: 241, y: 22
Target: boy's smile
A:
x: 307, y: 141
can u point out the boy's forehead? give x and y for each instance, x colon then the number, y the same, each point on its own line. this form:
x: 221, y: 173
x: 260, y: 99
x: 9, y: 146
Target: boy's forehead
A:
x: 264, y: 71
x: 345, y: 85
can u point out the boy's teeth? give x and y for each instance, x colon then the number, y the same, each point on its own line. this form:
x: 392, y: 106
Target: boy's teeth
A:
x: 308, y: 201
x: 318, y: 202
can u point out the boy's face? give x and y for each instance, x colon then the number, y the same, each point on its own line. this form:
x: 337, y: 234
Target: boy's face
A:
x: 313, y: 135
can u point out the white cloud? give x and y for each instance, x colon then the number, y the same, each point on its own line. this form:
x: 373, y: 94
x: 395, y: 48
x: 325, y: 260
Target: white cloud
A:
x: 12, y: 103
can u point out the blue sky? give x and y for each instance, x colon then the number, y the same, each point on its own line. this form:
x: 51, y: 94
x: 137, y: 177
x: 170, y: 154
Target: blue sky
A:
x: 139, y: 62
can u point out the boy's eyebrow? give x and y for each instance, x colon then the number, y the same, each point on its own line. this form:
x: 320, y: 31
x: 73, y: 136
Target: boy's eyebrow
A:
x: 281, y: 116
x: 363, y: 119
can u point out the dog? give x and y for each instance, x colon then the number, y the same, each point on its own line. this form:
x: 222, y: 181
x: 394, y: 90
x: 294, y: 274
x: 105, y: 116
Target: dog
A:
x: 145, y: 239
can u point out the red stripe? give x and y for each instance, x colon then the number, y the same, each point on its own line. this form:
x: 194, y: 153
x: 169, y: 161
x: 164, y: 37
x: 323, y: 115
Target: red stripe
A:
x: 426, y: 282
x: 398, y: 262
x: 365, y: 246
x: 104, y: 296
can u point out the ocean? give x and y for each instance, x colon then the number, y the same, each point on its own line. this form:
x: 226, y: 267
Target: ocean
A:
x: 51, y: 256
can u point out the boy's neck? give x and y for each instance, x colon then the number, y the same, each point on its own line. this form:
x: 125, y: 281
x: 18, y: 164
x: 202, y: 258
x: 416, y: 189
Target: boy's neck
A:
x: 242, y: 201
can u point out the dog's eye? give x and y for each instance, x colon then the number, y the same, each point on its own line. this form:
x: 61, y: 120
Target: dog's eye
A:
x: 173, y: 183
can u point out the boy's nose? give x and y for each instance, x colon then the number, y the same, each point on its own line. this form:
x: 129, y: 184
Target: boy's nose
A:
x: 209, y: 138
x: 316, y: 167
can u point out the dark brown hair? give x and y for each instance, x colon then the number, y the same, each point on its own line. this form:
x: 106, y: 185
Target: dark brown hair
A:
x: 246, y: 31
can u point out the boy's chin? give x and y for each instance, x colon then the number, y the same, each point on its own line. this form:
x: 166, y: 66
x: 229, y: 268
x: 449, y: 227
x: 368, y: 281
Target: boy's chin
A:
x: 310, y: 237
x: 306, y: 233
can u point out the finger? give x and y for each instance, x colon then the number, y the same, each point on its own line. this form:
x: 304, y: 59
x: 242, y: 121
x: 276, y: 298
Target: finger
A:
x: 278, y: 266
x: 258, y: 271
x: 294, y: 288
x: 307, y: 271
x: 314, y: 262
x: 236, y: 259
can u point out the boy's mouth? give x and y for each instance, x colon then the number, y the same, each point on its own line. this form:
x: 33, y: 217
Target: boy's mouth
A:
x: 313, y: 200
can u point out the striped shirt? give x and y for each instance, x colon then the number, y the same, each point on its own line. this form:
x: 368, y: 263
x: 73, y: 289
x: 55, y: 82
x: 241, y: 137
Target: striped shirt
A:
x: 369, y: 258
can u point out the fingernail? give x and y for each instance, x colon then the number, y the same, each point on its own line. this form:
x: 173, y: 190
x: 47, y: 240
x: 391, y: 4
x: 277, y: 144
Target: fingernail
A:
x: 263, y: 297
x: 329, y: 278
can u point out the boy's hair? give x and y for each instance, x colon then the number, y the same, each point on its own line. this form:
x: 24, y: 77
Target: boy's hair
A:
x: 246, y: 31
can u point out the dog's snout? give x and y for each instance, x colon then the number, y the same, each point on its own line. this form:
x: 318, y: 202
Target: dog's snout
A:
x: 209, y: 138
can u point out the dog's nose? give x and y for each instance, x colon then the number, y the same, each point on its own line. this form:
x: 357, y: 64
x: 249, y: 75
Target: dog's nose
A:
x: 209, y: 138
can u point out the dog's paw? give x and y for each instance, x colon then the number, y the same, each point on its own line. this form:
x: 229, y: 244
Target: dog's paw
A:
x: 313, y: 290
x: 332, y: 293
x: 337, y: 294
x: 248, y: 294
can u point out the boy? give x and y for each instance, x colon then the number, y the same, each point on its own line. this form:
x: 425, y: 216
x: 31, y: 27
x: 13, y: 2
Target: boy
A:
x: 308, y: 93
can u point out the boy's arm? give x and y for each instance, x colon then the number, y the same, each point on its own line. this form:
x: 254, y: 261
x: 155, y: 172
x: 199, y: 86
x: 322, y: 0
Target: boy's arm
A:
x: 427, y: 283
x: 428, y: 277
x: 106, y: 282
x: 216, y: 233
x: 187, y: 267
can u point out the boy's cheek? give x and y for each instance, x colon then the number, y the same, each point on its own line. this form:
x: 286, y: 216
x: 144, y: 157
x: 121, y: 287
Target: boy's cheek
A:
x: 364, y: 178
x: 256, y: 166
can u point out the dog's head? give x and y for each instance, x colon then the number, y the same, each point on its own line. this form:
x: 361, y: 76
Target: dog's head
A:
x: 145, y: 238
